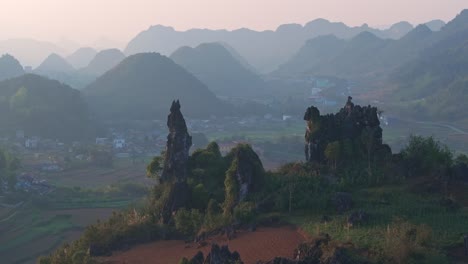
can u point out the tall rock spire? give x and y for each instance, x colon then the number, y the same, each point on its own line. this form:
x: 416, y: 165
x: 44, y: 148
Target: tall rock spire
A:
x: 178, y: 145
x: 175, y: 171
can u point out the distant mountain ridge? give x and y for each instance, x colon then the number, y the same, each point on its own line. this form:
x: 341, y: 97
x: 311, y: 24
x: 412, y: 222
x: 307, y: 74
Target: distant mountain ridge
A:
x: 436, y: 83
x: 365, y: 56
x: 28, y: 51
x: 10, y: 67
x: 265, y: 50
x: 54, y: 63
x: 81, y: 57
x: 103, y: 61
x: 224, y: 74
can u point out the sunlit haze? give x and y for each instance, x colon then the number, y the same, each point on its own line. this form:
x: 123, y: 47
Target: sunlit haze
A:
x: 85, y: 21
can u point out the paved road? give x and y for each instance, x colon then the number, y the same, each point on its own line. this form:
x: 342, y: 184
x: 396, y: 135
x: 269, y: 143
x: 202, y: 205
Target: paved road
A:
x: 457, y: 130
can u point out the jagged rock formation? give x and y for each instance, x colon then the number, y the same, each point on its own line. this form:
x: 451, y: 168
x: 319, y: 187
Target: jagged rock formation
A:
x: 350, y: 124
x: 217, y: 255
x: 178, y: 145
x: 244, y: 176
x: 320, y: 250
x: 176, y: 163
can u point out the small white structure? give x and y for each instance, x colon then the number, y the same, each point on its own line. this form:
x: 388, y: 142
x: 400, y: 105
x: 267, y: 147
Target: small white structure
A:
x: 31, y: 143
x: 286, y: 117
x: 101, y: 141
x: 119, y: 143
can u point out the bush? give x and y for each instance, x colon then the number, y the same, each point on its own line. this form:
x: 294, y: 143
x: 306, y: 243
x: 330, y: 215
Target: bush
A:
x: 244, y: 212
x: 426, y: 157
x: 188, y: 222
x: 404, y: 241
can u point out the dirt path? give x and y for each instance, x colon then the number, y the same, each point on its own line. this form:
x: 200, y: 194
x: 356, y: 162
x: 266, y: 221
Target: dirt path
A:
x: 263, y: 244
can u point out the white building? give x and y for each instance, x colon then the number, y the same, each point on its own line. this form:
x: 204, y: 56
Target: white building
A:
x: 31, y: 143
x: 119, y: 143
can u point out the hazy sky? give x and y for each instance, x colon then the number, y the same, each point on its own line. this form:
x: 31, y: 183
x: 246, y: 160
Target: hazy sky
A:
x: 86, y: 20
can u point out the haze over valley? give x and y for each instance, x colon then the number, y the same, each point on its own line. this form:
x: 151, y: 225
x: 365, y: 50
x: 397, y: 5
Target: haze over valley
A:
x: 237, y: 138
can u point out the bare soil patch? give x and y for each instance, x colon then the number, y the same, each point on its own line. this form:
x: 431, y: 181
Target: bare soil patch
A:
x: 263, y: 244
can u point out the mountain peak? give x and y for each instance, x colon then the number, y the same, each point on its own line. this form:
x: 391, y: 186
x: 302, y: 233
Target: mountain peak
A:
x: 81, y: 57
x: 143, y: 85
x: 55, y: 63
x: 289, y: 28
x: 104, y: 61
x: 9, y: 67
x: 365, y: 36
x: 317, y: 23
x: 161, y: 28
x: 435, y: 25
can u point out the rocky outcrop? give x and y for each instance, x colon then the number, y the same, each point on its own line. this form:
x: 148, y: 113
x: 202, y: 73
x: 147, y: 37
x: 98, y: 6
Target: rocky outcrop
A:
x: 249, y: 170
x: 346, y: 126
x: 244, y: 177
x: 175, y: 168
x: 320, y: 250
x: 178, y: 145
x: 217, y: 255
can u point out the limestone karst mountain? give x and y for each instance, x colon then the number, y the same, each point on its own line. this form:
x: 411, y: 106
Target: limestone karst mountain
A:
x: 215, y: 66
x: 264, y: 50
x: 42, y: 107
x: 9, y: 67
x: 141, y: 86
x: 103, y: 61
x: 54, y: 63
x: 29, y: 51
x: 81, y: 57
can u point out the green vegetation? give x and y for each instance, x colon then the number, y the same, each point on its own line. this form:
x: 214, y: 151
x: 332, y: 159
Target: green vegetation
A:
x: 437, y: 90
x: 392, y: 208
x: 41, y: 223
x: 43, y: 107
x: 8, y: 166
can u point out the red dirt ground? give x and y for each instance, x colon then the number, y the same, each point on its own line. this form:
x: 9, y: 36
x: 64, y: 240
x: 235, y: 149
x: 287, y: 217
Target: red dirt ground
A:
x: 263, y: 244
x: 458, y: 255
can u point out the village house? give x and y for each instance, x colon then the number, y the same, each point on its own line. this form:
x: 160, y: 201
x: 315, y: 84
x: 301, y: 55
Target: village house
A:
x: 119, y: 143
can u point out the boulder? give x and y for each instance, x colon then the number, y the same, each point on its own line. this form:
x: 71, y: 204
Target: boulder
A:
x: 217, y: 255
x: 320, y: 250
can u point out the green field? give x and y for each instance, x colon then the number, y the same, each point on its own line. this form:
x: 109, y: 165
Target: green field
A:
x: 444, y: 227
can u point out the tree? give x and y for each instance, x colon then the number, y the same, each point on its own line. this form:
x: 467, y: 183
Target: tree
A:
x: 426, y: 156
x: 231, y: 189
x: 333, y: 152
x: 188, y: 222
x: 155, y: 167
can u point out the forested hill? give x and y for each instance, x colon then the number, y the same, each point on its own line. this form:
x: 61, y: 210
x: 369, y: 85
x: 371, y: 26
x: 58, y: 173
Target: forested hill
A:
x: 42, y: 107
x: 142, y: 86
x: 436, y: 83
